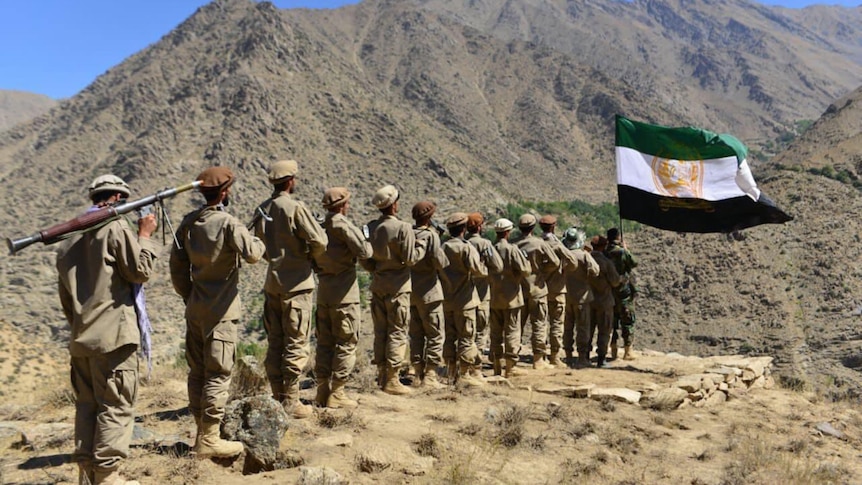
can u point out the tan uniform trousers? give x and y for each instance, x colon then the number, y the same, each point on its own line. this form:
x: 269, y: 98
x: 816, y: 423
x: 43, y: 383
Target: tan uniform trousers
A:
x: 505, y: 333
x: 577, y: 329
x: 602, y: 319
x: 460, y: 338
x: 483, y: 317
x: 210, y: 352
x: 426, y: 333
x: 337, y: 336
x: 391, y: 316
x: 556, y: 315
x: 287, y: 320
x: 536, y: 313
x: 106, y: 387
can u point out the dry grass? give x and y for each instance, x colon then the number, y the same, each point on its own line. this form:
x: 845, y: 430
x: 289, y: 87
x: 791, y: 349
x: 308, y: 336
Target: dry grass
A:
x: 509, y: 422
x: 427, y: 445
x: 332, y: 420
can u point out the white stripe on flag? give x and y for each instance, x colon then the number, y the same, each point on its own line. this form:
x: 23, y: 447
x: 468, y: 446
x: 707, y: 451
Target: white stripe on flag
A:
x: 716, y: 179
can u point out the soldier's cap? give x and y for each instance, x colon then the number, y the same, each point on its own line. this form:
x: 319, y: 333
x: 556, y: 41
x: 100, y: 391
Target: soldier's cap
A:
x: 215, y: 179
x: 108, y: 183
x: 527, y: 220
x: 456, y: 219
x: 281, y: 170
x: 613, y: 234
x: 474, y: 220
x: 547, y: 220
x: 385, y: 197
x: 334, y: 197
x: 503, y: 225
x: 423, y: 209
x: 598, y: 242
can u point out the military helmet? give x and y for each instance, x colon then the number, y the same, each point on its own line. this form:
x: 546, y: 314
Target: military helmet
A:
x: 108, y: 183
x: 574, y: 238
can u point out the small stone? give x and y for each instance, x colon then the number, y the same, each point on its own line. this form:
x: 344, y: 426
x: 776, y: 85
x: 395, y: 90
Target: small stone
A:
x: 320, y: 476
x: 338, y: 439
x: 618, y: 394
x: 830, y: 430
x: 583, y: 391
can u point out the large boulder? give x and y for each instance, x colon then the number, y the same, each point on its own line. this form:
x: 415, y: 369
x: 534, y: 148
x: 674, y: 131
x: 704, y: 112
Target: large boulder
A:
x: 259, y: 422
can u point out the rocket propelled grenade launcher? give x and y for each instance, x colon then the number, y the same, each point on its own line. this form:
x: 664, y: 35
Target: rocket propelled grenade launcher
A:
x: 55, y: 233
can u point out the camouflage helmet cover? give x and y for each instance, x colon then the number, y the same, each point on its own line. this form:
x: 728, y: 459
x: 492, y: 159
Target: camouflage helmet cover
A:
x: 108, y: 183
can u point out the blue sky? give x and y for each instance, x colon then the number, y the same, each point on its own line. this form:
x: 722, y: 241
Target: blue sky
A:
x: 58, y: 47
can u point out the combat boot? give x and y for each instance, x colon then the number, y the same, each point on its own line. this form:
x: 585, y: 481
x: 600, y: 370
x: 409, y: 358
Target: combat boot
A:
x: 338, y: 398
x: 418, y: 371
x: 86, y: 474
x: 554, y: 361
x: 198, y: 429
x: 393, y: 384
x: 539, y: 362
x: 431, y: 379
x: 323, y: 392
x: 629, y: 353
x: 211, y: 444
x: 601, y: 363
x: 498, y: 367
x: 291, y: 403
x: 113, y: 477
x: 583, y: 360
x: 381, y: 375
x: 570, y: 362
x: 471, y: 376
x: 510, y: 369
x: 452, y: 372
x: 614, y: 350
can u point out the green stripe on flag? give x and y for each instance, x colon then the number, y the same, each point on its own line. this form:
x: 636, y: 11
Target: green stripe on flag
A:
x: 681, y: 143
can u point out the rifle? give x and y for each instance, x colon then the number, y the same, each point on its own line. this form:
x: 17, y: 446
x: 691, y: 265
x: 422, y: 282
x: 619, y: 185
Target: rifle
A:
x: 83, y: 222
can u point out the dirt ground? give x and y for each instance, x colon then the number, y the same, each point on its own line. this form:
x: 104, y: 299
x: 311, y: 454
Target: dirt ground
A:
x: 493, y: 434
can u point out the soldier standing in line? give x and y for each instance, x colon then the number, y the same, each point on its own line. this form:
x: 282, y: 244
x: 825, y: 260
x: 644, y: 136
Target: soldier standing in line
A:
x: 338, y: 312
x: 293, y: 241
x: 427, y: 325
x: 395, y: 251
x: 101, y: 271
x: 507, y: 301
x: 459, y: 305
x: 602, y: 307
x: 204, y: 272
x: 624, y: 295
x: 576, y: 328
x: 543, y: 261
x: 491, y: 259
x: 556, y: 288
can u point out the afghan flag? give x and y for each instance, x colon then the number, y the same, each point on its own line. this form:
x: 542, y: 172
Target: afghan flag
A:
x: 688, y: 180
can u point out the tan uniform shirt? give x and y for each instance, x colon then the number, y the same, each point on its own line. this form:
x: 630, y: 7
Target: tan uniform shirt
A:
x: 292, y: 239
x: 205, y: 271
x: 425, y: 273
x: 457, y: 278
x: 395, y: 251
x: 543, y: 262
x: 578, y: 277
x: 490, y: 258
x: 557, y: 279
x: 605, y: 282
x: 506, y: 286
x: 337, y: 276
x: 96, y: 272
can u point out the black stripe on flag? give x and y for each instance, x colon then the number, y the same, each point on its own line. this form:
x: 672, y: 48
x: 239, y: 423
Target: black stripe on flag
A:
x: 697, y: 215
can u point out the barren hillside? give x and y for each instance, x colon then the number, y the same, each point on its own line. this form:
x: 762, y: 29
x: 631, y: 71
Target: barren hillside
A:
x: 18, y: 106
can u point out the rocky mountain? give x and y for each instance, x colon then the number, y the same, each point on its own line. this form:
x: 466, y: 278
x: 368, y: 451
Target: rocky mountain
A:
x: 18, y: 106
x: 475, y: 104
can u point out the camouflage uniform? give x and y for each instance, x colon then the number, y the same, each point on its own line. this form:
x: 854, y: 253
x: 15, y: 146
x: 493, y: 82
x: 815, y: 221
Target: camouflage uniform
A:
x: 624, y: 295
